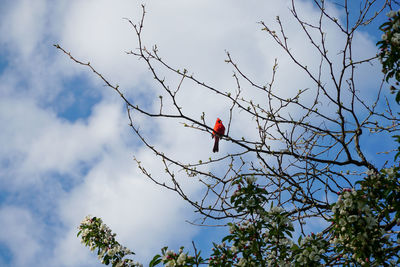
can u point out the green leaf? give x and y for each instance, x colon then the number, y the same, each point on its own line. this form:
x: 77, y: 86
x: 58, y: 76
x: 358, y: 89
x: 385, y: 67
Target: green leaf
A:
x: 164, y: 249
x: 398, y: 97
x: 289, y: 233
x: 156, y: 260
x: 397, y: 155
x: 384, y: 24
x: 227, y: 238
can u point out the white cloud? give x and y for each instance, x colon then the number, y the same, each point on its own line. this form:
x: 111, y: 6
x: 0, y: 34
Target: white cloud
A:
x: 22, y: 26
x: 21, y: 233
x: 41, y: 142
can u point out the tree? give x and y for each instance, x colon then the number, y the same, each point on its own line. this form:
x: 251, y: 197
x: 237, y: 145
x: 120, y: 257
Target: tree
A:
x: 303, y: 157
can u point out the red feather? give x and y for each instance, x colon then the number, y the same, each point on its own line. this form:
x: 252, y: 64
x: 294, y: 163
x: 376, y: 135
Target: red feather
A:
x: 218, y: 132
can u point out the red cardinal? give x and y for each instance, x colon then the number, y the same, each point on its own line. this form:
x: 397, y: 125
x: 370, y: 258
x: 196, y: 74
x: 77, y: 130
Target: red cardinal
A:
x: 219, y: 130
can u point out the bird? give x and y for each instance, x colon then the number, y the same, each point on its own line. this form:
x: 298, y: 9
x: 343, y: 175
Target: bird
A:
x: 218, y: 132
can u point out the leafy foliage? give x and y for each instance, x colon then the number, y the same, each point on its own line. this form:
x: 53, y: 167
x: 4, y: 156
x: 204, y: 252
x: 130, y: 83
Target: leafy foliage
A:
x: 390, y: 51
x: 96, y: 235
x: 360, y: 231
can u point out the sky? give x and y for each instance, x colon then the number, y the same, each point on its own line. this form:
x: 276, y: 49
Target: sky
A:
x: 66, y: 147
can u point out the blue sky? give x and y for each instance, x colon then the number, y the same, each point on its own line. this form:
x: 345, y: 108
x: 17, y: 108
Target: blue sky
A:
x: 66, y: 148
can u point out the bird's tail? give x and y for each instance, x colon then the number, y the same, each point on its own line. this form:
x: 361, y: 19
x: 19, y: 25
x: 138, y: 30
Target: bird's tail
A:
x: 216, y: 142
